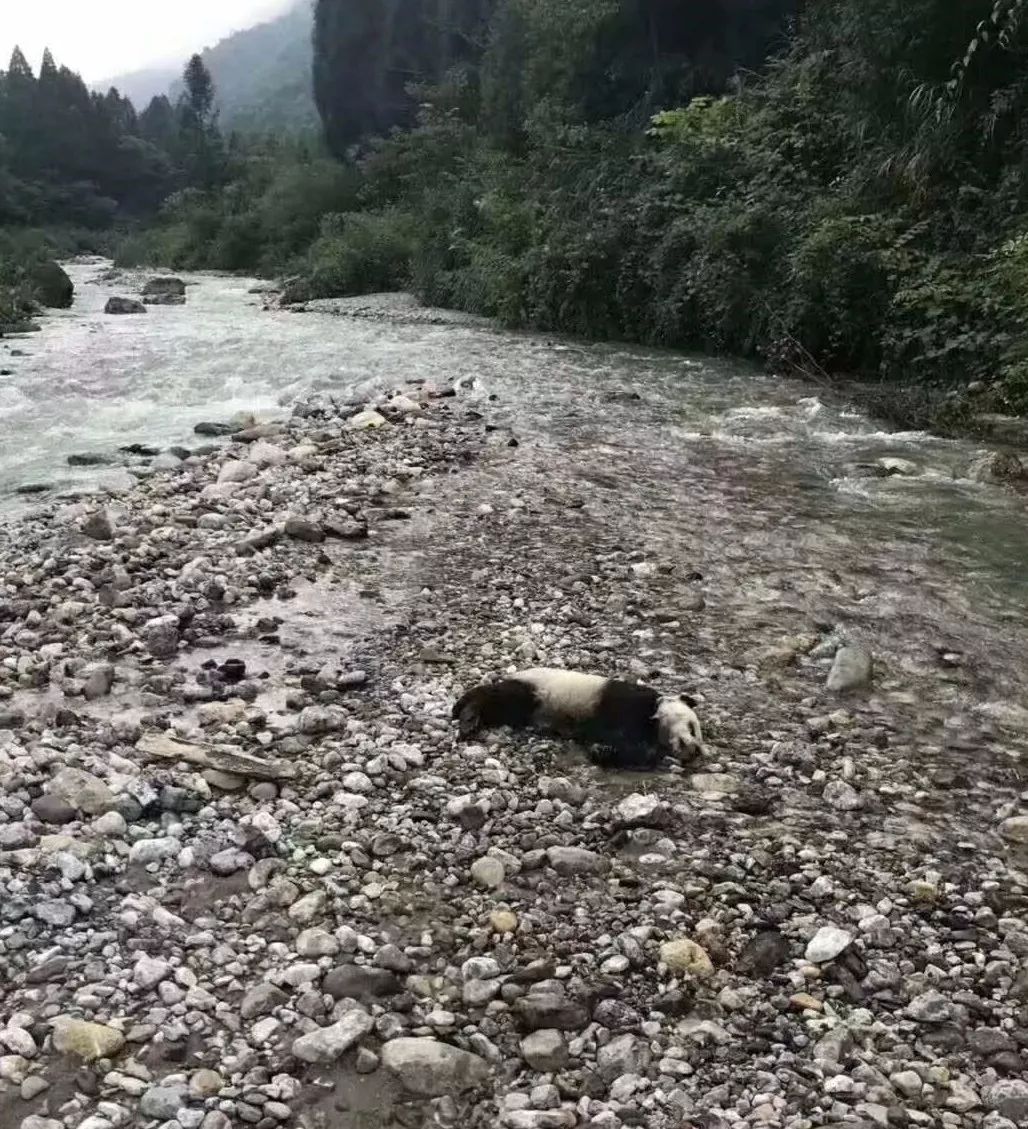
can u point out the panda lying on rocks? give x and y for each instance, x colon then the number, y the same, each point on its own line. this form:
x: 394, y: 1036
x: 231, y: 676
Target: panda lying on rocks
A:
x: 632, y: 725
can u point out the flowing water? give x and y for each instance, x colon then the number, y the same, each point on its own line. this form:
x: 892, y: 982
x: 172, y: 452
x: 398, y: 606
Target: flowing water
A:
x: 90, y: 383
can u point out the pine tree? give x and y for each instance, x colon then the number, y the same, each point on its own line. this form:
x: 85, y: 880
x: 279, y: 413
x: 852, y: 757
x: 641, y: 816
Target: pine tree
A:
x: 200, y: 147
x: 197, y: 102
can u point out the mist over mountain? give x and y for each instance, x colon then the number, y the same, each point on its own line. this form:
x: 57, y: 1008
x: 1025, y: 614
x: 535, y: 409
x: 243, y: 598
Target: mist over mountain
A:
x: 262, y: 76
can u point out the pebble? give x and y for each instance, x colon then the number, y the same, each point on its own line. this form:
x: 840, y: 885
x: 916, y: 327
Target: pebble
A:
x: 828, y: 943
x: 488, y: 872
x: 685, y: 955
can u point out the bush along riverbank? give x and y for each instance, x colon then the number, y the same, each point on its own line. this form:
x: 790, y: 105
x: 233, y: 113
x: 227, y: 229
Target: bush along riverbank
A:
x: 31, y: 280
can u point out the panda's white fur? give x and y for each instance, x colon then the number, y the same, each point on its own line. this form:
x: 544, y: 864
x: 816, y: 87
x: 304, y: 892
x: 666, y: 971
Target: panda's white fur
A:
x: 564, y: 694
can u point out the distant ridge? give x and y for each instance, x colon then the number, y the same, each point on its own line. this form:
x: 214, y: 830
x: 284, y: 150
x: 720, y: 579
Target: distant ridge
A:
x: 262, y: 75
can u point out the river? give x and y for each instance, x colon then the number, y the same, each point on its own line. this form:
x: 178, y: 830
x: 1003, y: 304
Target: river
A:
x: 90, y: 383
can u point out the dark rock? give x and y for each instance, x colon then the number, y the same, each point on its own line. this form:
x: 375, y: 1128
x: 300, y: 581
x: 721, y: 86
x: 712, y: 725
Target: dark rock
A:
x: 51, y: 285
x: 33, y: 488
x: 124, y: 306
x: 89, y: 458
x: 53, y: 810
x: 97, y: 525
x: 140, y: 449
x: 164, y: 287
x: 207, y: 428
x: 356, y: 982
x: 539, y: 1010
x: 763, y: 953
x: 346, y: 530
x: 232, y: 671
x: 11, y: 718
x: 300, y: 529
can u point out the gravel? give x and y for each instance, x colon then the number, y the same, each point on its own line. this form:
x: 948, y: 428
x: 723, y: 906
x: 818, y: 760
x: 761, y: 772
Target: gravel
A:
x: 246, y: 869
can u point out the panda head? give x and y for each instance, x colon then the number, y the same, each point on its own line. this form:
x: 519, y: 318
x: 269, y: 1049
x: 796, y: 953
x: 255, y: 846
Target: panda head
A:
x: 678, y: 727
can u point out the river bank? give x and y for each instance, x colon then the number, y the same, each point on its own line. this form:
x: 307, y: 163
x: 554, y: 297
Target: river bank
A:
x: 244, y: 862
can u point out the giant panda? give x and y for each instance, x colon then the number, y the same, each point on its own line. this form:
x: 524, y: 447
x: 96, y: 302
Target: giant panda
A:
x: 625, y: 725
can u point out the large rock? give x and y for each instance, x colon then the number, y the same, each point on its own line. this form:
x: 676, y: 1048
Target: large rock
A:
x: 164, y: 292
x: 161, y: 1103
x: 124, y: 306
x: 262, y: 999
x: 1009, y: 1098
x: 998, y: 466
x: 51, y: 285
x: 625, y: 1054
x: 1015, y: 829
x: 359, y: 982
x: 850, y: 670
x: 326, y: 1044
x: 82, y: 790
x: 545, y: 1050
x: 432, y: 1069
x: 161, y: 636
x: 549, y: 1009
x: 685, y: 955
x: 638, y: 810
x: 568, y: 861
x: 239, y: 470
x: 828, y: 943
x: 88, y: 1041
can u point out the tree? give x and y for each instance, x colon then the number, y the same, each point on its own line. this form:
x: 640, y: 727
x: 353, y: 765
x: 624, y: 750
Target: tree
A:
x: 197, y: 104
x: 369, y: 54
x: 200, y: 148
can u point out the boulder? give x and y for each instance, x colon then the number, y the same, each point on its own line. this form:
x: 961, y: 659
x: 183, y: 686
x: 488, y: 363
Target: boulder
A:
x: 326, y: 1044
x: 998, y: 466
x: 88, y: 1041
x: 431, y: 1069
x: 82, y: 790
x: 51, y: 285
x: 164, y: 292
x: 851, y: 669
x: 124, y: 306
x: 545, y: 1050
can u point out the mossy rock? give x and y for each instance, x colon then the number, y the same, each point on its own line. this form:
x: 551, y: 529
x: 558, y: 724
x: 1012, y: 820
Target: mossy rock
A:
x: 51, y: 285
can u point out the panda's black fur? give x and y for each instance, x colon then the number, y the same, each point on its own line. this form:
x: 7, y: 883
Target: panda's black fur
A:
x: 622, y: 724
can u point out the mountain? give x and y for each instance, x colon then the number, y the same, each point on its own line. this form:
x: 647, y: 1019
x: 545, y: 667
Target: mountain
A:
x: 262, y: 76
x: 140, y: 86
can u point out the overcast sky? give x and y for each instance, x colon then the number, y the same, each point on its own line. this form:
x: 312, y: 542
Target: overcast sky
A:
x: 102, y: 38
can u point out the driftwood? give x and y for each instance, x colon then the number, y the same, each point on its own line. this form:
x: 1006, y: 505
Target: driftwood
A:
x: 235, y: 762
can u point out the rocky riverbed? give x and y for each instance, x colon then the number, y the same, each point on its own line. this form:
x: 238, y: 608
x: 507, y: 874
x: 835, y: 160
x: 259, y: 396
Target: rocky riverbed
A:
x: 248, y: 876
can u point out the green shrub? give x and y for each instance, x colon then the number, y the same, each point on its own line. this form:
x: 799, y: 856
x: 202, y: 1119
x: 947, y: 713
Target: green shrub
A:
x: 361, y: 253
x: 838, y: 291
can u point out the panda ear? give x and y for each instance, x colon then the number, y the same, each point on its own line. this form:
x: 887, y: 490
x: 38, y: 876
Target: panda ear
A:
x: 689, y: 700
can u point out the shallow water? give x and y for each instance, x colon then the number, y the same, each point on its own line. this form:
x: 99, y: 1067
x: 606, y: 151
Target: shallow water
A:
x: 90, y: 382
